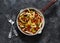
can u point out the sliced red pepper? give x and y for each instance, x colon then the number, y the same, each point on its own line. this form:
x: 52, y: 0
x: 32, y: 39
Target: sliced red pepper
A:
x: 36, y: 15
x: 28, y: 27
x: 36, y: 28
x: 25, y: 19
x: 34, y: 21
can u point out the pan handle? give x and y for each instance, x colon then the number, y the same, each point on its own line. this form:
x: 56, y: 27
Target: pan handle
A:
x: 48, y: 5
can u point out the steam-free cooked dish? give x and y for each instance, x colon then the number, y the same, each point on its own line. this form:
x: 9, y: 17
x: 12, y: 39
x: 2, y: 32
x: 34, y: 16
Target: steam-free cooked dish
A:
x: 30, y: 21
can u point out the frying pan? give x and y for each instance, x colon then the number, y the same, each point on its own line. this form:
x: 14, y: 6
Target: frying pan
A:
x: 41, y: 12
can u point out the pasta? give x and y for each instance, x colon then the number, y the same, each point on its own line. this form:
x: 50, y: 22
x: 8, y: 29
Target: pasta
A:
x: 30, y: 21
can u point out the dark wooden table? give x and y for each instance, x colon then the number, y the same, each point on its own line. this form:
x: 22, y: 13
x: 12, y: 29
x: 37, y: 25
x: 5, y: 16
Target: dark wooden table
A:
x: 51, y: 31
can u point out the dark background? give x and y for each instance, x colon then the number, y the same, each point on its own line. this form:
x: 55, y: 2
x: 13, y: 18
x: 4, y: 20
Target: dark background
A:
x: 51, y: 31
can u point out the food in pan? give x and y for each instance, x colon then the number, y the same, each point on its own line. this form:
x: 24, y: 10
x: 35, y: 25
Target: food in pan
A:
x: 30, y: 21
